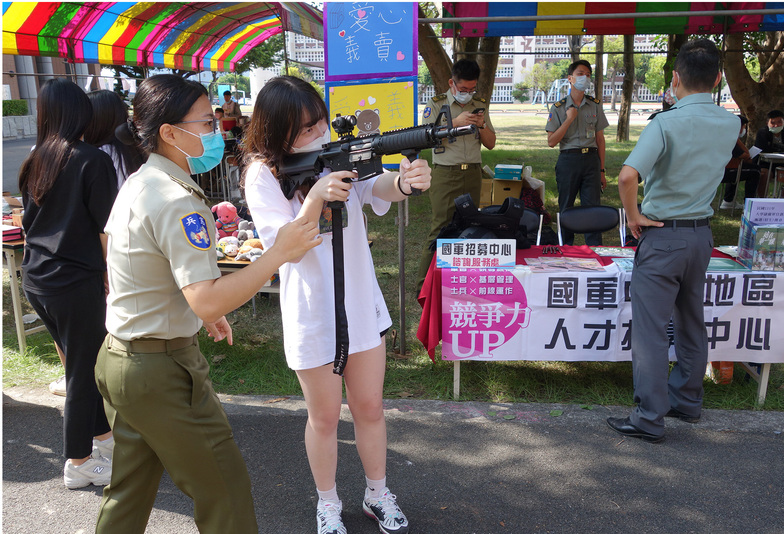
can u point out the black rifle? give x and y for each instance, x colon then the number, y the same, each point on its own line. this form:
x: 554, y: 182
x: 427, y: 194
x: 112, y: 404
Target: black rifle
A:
x: 363, y: 155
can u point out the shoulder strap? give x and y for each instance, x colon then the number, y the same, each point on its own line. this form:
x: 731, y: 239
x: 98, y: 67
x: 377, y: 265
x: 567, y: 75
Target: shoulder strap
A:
x: 190, y: 189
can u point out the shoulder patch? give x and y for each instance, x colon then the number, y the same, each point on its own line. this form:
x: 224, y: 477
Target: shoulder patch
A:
x: 560, y: 102
x: 427, y: 112
x: 660, y: 111
x: 439, y: 98
x: 594, y: 99
x: 194, y: 227
x: 482, y: 100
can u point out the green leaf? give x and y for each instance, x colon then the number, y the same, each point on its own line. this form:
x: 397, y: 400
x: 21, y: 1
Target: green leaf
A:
x: 586, y: 407
x: 509, y: 417
x: 492, y: 414
x: 556, y: 413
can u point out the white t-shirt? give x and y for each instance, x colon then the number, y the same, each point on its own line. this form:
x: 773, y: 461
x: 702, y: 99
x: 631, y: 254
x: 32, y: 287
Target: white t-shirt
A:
x: 307, y: 294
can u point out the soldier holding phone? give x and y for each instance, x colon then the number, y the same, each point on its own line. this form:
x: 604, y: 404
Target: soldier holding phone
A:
x: 457, y: 167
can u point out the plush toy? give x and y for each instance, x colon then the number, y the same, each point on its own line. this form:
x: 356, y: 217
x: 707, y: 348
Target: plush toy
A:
x: 228, y: 220
x: 247, y: 230
x: 251, y: 255
x: 250, y: 244
x: 229, y: 245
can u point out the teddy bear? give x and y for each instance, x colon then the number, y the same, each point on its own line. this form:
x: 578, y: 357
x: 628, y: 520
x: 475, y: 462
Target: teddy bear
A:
x: 247, y: 230
x: 229, y: 246
x: 228, y: 220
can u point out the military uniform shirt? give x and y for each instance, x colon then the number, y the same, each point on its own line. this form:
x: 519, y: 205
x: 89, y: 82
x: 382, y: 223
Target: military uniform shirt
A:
x: 161, y: 239
x: 467, y: 148
x: 681, y: 155
x: 582, y: 132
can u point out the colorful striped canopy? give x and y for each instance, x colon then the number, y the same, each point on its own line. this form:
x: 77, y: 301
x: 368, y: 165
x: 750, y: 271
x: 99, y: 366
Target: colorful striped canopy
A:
x: 197, y: 36
x: 599, y: 26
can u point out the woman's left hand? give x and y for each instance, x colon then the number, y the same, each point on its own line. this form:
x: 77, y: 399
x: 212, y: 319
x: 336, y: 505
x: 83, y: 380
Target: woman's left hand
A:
x: 219, y: 330
x: 416, y: 174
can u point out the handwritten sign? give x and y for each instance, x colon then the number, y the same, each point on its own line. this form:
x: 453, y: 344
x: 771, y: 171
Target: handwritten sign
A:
x: 370, y: 40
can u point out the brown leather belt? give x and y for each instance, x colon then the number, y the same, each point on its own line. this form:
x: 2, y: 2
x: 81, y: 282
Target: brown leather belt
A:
x: 151, y: 345
x: 460, y: 167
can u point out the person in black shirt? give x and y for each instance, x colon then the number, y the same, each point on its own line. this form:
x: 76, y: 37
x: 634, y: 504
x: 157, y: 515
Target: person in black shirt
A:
x: 68, y: 188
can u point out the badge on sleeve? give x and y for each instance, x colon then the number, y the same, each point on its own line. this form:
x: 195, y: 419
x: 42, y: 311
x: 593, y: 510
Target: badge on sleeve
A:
x: 427, y: 112
x: 195, y: 229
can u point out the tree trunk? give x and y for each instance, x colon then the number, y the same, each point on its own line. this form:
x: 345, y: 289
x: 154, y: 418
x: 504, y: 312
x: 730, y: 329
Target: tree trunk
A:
x: 756, y: 99
x: 575, y: 44
x: 626, y: 88
x: 613, y: 92
x: 488, y: 62
x: 599, y: 69
x: 674, y: 43
x: 437, y: 60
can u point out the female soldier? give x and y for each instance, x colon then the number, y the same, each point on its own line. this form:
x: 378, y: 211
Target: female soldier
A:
x: 164, y: 283
x: 289, y: 117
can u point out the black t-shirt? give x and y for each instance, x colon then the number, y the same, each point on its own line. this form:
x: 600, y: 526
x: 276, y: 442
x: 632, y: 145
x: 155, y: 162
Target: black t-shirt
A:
x: 62, y: 234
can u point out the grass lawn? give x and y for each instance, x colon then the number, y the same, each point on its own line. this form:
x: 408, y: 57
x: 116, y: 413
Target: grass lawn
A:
x: 256, y: 365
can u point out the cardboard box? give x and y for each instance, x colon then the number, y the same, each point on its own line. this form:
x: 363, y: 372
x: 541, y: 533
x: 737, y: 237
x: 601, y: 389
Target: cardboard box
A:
x: 486, y: 196
x: 14, y: 202
x: 506, y: 188
x: 16, y: 216
x: 508, y: 172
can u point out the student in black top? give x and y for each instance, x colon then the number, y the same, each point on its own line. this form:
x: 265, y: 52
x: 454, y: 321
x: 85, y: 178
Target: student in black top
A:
x: 68, y: 188
x: 770, y: 139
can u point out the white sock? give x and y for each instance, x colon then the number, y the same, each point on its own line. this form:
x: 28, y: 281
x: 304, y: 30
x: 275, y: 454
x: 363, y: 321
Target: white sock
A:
x: 329, y: 495
x: 375, y: 486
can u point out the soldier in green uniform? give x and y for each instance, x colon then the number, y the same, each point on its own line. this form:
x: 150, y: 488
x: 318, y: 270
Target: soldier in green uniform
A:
x: 577, y: 123
x: 457, y: 167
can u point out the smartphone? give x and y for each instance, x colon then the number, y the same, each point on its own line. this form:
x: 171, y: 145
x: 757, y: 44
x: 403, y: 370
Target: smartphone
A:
x: 478, y: 111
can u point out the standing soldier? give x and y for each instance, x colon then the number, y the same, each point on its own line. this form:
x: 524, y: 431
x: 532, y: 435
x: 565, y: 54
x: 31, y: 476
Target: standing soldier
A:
x: 577, y: 122
x: 457, y: 167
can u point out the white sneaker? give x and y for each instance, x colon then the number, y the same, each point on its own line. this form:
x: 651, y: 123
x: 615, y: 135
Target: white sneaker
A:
x: 386, y: 512
x: 728, y: 205
x: 58, y: 387
x: 104, y: 448
x: 328, y: 520
x: 97, y: 470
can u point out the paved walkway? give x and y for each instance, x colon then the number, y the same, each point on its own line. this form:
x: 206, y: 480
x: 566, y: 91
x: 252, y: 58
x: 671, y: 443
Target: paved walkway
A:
x: 457, y: 468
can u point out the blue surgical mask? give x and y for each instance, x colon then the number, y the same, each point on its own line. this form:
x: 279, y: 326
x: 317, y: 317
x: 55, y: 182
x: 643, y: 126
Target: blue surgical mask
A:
x: 672, y: 94
x: 213, y: 146
x: 581, y: 83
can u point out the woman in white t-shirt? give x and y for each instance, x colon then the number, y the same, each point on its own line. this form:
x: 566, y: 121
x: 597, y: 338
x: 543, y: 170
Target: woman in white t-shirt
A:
x: 290, y: 117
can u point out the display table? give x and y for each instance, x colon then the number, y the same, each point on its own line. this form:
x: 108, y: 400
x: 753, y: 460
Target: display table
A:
x: 586, y: 316
x: 10, y: 251
x: 771, y: 158
x: 229, y: 265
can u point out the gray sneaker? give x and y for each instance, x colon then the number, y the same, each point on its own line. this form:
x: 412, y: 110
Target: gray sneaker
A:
x: 104, y: 448
x: 97, y: 470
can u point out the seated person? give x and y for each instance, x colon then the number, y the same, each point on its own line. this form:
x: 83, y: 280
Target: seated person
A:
x: 749, y: 173
x: 770, y: 139
x: 219, y: 117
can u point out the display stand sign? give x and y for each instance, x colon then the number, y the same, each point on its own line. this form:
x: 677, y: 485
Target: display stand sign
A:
x: 475, y: 253
x: 370, y: 40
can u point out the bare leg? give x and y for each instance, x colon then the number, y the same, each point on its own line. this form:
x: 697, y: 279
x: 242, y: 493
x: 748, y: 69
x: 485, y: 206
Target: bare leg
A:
x: 364, y: 392
x: 323, y: 392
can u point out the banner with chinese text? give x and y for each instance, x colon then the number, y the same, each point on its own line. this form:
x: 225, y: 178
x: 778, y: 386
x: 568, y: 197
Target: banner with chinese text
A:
x: 586, y: 316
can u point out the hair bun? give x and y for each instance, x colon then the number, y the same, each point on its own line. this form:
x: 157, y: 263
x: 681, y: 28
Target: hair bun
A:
x: 128, y: 133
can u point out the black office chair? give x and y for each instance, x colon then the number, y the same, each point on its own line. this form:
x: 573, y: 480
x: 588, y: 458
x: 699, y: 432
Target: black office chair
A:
x: 532, y: 221
x: 587, y: 219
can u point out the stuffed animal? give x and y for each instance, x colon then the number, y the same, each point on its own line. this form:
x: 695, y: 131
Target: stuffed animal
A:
x: 228, y: 220
x: 247, y: 230
x: 250, y: 244
x: 251, y: 255
x: 229, y: 245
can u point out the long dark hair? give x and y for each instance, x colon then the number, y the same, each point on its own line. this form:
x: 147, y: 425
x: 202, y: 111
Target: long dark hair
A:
x: 109, y: 112
x: 277, y: 118
x: 64, y: 112
x: 161, y: 99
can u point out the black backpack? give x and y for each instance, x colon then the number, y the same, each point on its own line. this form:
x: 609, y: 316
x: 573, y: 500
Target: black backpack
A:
x: 492, y: 222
